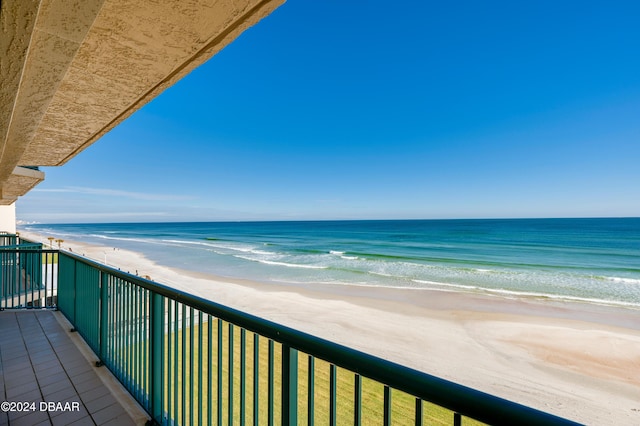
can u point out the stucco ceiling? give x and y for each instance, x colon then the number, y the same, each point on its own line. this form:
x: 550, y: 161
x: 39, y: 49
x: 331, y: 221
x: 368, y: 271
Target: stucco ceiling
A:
x: 71, y: 70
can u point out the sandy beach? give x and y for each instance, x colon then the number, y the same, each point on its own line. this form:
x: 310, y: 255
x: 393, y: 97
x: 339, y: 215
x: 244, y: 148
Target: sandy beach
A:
x: 579, y: 361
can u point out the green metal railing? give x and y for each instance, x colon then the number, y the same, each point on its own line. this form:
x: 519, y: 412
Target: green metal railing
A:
x: 28, y: 274
x: 188, y: 360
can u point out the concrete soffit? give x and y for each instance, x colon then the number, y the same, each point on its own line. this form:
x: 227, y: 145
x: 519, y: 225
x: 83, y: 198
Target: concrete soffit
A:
x: 21, y: 181
x: 71, y: 70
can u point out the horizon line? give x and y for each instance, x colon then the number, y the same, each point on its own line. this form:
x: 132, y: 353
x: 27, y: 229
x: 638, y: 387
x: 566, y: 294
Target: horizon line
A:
x: 23, y: 223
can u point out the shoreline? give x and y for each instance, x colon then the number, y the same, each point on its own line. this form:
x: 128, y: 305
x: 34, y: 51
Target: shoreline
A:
x: 575, y: 360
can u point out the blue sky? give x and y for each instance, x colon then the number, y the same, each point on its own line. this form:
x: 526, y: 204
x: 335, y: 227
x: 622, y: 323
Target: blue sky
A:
x: 369, y: 109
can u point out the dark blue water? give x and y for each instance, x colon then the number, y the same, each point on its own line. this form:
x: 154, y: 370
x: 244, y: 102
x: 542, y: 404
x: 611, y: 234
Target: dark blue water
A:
x: 593, y: 260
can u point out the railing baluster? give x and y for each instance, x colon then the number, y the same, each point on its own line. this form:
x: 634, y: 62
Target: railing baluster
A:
x: 108, y: 322
x: 125, y: 337
x: 419, y: 412
x: 48, y: 278
x: 230, y: 376
x: 332, y: 395
x: 146, y: 321
x: 270, y: 385
x: 200, y: 374
x: 4, y: 282
x: 157, y: 356
x: 289, y: 385
x: 457, y: 419
x: 112, y: 321
x: 243, y: 374
x: 256, y: 377
x: 104, y: 319
x: 183, y: 389
x: 176, y: 362
x: 75, y: 299
x: 132, y: 337
x: 311, y: 389
x: 357, y: 400
x: 210, y: 370
x: 120, y: 330
x: 143, y: 352
x: 387, y: 406
x: 133, y: 332
x: 128, y: 313
x: 137, y: 346
x: 170, y: 349
x: 41, y: 303
x: 135, y: 307
x: 8, y: 279
x: 219, y: 372
x: 191, y: 375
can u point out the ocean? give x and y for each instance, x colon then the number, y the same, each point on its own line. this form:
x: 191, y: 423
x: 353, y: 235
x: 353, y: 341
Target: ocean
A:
x: 586, y: 260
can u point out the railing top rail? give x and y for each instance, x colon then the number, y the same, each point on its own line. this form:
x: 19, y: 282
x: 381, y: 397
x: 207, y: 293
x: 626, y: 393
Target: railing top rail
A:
x: 18, y: 249
x: 22, y: 247
x: 461, y: 399
x: 17, y: 242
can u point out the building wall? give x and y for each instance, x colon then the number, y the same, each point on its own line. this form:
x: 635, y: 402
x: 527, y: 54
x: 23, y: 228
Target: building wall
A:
x: 8, y: 218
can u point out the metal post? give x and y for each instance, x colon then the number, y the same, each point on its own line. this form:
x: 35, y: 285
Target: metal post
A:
x: 104, y: 317
x: 419, y: 412
x: 311, y: 388
x: 243, y: 374
x: 457, y: 419
x: 219, y: 389
x: 333, y: 384
x: 230, y: 376
x: 74, y: 299
x: 270, y: 386
x: 387, y: 406
x: 357, y: 400
x: 256, y: 377
x: 157, y: 356
x: 289, y: 385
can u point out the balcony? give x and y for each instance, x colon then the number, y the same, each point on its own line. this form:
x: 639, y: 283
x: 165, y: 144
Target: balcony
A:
x: 188, y: 360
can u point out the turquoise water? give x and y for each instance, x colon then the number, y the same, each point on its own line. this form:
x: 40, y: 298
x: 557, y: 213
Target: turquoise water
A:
x: 592, y: 260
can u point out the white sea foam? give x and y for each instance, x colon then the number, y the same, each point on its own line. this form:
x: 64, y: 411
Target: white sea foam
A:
x: 243, y: 249
x: 198, y: 243
x: 440, y: 286
x: 517, y: 294
x: 468, y: 287
x: 563, y: 297
x: 382, y: 274
x: 288, y: 265
x: 337, y: 253
x: 623, y: 280
x: 267, y: 253
x: 137, y: 240
x: 293, y: 265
